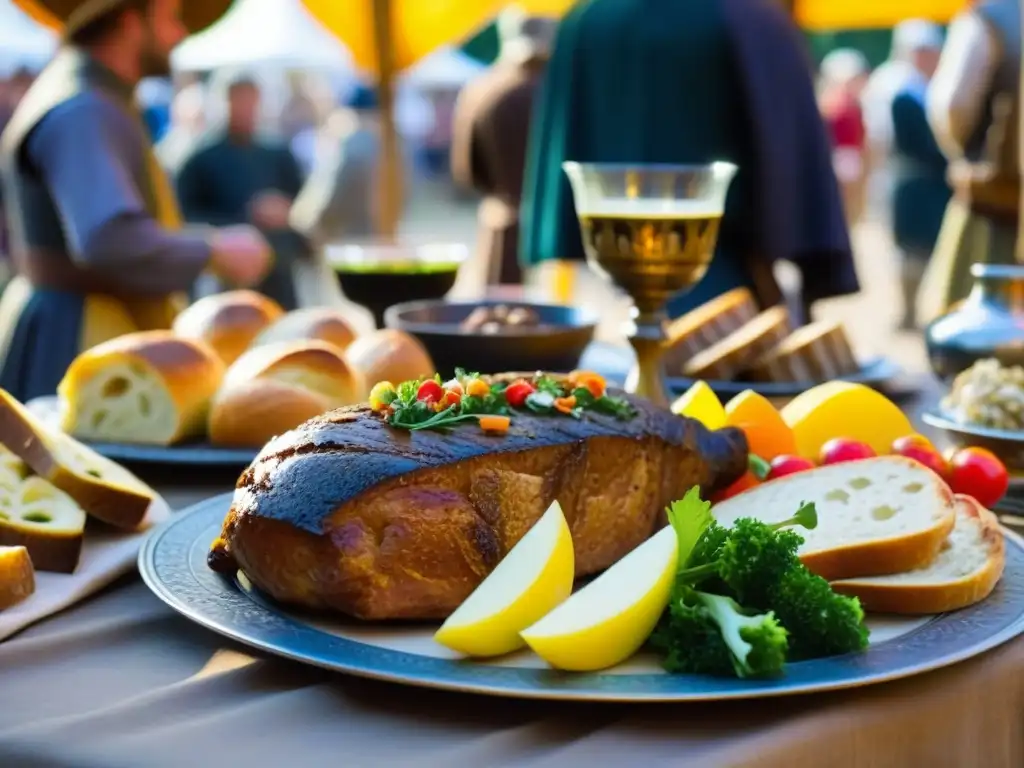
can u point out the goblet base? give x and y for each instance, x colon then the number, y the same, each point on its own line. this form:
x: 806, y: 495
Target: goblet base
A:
x: 646, y: 334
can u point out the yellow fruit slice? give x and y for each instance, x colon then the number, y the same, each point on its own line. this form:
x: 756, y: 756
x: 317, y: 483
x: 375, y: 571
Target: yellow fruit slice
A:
x: 535, y: 576
x: 608, y: 620
x: 701, y: 403
x: 844, y: 409
x: 750, y: 407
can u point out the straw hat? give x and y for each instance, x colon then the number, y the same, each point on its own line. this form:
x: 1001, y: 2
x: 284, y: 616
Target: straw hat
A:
x: 70, y: 15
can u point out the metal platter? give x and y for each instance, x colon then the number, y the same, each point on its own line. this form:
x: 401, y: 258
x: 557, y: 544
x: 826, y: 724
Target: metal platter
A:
x: 173, y: 564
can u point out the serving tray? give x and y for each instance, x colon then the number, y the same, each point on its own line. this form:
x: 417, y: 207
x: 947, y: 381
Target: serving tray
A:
x: 190, y: 454
x: 173, y: 564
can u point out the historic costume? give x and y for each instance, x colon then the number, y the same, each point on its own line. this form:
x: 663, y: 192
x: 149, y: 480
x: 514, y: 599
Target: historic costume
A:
x: 91, y: 213
x: 973, y: 108
x: 659, y: 81
x: 491, y: 127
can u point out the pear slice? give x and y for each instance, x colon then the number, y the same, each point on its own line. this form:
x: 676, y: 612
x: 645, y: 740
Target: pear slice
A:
x: 608, y: 620
x: 536, y: 575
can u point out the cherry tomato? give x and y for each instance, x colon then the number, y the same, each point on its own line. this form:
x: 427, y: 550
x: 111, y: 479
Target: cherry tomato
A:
x: 920, y: 449
x: 451, y: 397
x: 517, y: 392
x: 429, y: 392
x: 979, y: 473
x: 745, y: 483
x: 789, y: 465
x: 844, y: 449
x: 901, y: 444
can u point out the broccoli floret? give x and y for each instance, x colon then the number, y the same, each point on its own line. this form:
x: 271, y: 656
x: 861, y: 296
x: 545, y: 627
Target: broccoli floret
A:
x: 709, y: 634
x: 753, y: 558
x: 820, y: 622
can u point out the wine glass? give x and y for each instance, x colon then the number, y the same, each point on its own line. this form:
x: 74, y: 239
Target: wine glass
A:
x: 377, y: 275
x: 651, y: 230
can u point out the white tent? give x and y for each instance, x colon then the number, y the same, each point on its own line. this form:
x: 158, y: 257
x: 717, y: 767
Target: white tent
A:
x: 263, y: 33
x: 23, y: 42
x: 446, y: 67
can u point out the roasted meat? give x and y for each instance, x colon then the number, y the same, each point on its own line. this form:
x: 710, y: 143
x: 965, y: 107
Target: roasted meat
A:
x: 351, y: 515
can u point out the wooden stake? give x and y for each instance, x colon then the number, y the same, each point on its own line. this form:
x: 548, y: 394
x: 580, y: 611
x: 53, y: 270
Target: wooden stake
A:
x: 391, y: 166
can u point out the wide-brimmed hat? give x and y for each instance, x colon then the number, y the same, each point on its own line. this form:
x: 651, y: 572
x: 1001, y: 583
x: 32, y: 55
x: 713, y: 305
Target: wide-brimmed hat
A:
x: 66, y: 16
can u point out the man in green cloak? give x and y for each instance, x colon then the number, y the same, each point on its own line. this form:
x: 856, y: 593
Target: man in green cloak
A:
x: 670, y: 81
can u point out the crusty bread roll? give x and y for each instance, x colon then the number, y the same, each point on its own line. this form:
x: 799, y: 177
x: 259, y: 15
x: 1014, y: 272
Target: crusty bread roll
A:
x: 228, y: 322
x: 103, y: 488
x: 276, y: 387
x: 389, y: 355
x: 17, y: 576
x: 311, y: 323
x: 150, y: 387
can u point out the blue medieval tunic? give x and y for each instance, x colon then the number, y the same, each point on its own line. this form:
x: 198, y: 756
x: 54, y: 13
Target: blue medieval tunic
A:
x: 664, y: 81
x: 93, y: 225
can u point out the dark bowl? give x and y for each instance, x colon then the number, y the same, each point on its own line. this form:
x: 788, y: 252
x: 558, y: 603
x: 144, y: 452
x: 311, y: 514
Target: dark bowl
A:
x: 556, y: 345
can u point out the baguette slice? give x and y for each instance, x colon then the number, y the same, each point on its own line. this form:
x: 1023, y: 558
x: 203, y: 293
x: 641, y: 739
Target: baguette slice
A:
x: 17, y: 576
x: 964, y: 573
x: 46, y: 521
x: 102, y: 488
x: 817, y: 352
x: 731, y: 356
x: 705, y: 326
x: 875, y: 516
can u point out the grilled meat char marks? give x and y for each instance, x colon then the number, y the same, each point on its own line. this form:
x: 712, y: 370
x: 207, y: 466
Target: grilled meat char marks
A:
x: 349, y: 514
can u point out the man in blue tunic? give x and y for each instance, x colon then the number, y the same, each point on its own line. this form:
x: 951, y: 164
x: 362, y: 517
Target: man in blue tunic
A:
x: 663, y: 81
x: 96, y: 234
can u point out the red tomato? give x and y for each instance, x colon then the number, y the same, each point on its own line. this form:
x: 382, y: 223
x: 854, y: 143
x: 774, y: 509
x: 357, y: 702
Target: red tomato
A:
x: 843, y: 449
x: 789, y: 465
x: 907, y: 442
x: 978, y: 473
x: 745, y: 483
x: 429, y: 392
x: 517, y: 392
x: 926, y: 455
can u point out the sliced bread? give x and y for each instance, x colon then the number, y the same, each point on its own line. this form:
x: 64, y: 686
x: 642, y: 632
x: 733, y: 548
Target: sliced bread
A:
x: 17, y: 576
x: 705, y: 326
x: 817, y: 352
x: 965, y: 572
x: 46, y: 521
x: 875, y: 516
x: 101, y: 487
x: 732, y: 355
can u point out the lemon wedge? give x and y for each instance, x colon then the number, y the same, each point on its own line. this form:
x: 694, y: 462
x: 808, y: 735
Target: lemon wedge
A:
x: 701, y: 403
x: 608, y: 620
x: 535, y: 576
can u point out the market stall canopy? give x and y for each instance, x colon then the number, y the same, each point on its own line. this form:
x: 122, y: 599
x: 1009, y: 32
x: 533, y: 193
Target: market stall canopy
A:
x: 23, y: 42
x: 265, y: 33
x: 830, y: 15
x: 417, y: 27
x: 446, y: 67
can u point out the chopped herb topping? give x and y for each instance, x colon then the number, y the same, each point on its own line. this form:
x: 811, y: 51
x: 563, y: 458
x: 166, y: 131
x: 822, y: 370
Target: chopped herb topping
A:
x: 436, y: 404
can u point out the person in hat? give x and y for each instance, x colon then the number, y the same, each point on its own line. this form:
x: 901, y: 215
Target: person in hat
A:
x: 97, y: 239
x: 490, y: 130
x: 659, y: 81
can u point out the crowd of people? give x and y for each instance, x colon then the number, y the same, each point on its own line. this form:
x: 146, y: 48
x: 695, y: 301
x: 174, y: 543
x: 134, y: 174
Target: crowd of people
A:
x: 96, y: 198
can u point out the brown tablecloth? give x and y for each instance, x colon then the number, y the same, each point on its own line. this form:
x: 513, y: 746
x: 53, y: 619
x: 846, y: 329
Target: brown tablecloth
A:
x: 124, y: 682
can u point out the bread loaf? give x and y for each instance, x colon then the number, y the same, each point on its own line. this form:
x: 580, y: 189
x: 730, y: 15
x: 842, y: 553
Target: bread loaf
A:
x: 735, y: 353
x: 151, y: 387
x: 705, y: 326
x: 875, y: 516
x: 44, y: 520
x: 817, y: 352
x: 276, y: 387
x: 17, y: 576
x: 390, y: 355
x: 228, y: 322
x: 105, y: 490
x: 965, y: 572
x: 311, y: 323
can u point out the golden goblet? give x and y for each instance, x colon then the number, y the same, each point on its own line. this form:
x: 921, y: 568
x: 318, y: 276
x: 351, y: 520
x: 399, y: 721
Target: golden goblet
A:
x: 651, y: 230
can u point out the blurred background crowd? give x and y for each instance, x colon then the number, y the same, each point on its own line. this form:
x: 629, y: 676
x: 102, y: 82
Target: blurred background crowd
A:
x: 267, y: 99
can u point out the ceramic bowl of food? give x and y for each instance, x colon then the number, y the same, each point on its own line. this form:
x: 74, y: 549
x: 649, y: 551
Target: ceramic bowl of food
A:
x: 497, y: 336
